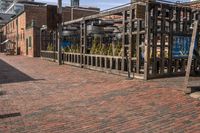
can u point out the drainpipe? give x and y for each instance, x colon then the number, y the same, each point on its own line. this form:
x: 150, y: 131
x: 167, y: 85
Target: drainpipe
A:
x: 17, y: 37
x: 40, y: 42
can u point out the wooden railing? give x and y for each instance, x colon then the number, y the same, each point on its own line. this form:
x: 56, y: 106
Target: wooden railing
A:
x: 50, y: 55
x: 112, y: 64
x: 105, y: 63
x: 72, y: 59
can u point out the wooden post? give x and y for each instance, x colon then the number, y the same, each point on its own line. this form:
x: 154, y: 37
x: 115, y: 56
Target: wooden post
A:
x: 123, y: 39
x: 130, y: 41
x: 138, y: 54
x: 169, y: 71
x: 154, y: 42
x: 83, y: 40
x: 146, y: 47
x: 59, y: 31
x: 162, y: 49
x: 188, y: 70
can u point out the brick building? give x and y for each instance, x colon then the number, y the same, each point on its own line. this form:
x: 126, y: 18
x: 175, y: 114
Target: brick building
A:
x: 24, y: 28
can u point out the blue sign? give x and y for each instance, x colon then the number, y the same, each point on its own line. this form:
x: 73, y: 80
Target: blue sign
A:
x: 66, y: 44
x: 181, y: 46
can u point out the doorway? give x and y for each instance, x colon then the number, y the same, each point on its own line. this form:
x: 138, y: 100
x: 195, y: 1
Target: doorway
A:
x: 27, y: 46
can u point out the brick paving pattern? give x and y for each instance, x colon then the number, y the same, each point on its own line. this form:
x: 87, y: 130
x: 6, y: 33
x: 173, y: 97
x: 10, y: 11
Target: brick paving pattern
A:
x: 40, y: 96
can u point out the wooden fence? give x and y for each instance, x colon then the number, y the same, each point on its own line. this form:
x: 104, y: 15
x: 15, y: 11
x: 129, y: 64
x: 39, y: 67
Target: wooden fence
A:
x: 149, y: 35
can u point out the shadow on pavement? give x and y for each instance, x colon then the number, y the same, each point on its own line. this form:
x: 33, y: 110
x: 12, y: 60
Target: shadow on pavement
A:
x: 195, y: 89
x: 9, y: 74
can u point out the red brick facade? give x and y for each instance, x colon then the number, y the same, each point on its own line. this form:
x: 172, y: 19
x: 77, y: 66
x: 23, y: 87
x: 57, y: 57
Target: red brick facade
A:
x: 21, y: 25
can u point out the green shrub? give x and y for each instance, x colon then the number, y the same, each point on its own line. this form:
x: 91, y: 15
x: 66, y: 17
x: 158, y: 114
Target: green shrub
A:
x: 110, y: 50
x: 50, y: 47
x: 118, y: 49
x: 104, y: 50
x: 95, y: 46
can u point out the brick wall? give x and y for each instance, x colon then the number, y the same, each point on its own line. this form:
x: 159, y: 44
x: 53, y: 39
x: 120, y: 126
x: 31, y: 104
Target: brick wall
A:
x: 36, y: 13
x: 21, y: 33
x: 33, y: 37
x: 78, y: 13
x: 39, y: 15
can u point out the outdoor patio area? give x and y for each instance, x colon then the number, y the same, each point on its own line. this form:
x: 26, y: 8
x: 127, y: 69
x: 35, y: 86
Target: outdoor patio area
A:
x: 41, y: 96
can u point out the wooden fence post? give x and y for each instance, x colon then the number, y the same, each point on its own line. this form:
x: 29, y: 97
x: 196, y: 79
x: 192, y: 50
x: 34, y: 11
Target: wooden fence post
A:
x: 188, y: 70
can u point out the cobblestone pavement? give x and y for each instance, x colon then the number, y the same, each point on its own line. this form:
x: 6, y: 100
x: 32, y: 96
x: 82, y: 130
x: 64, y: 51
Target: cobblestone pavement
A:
x: 40, y: 96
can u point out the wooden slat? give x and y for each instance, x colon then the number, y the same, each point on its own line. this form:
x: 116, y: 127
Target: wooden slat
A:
x: 123, y: 39
x: 130, y: 66
x: 195, y: 30
x: 147, y: 48
x: 138, y: 54
x: 162, y: 54
x: 154, y: 45
x: 169, y: 69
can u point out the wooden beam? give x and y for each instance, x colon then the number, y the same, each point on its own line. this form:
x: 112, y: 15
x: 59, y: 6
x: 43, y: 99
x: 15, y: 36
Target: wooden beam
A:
x: 123, y: 40
x: 189, y: 64
x: 155, y: 40
x: 138, y: 53
x: 101, y: 14
x: 162, y: 49
x: 83, y: 41
x: 130, y: 40
x: 170, y: 42
x: 146, y: 50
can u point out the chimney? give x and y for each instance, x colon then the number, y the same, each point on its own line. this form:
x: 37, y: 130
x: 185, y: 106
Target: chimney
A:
x: 75, y: 3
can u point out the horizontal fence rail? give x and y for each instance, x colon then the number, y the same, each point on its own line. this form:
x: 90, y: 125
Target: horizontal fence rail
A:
x: 104, y: 63
x: 49, y: 55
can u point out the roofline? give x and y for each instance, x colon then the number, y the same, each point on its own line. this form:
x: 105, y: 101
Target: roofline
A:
x: 191, y: 2
x: 101, y: 13
x: 85, y: 9
x: 78, y: 8
x: 14, y: 18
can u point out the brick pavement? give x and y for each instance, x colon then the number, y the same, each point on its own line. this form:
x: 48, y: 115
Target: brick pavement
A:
x: 40, y: 96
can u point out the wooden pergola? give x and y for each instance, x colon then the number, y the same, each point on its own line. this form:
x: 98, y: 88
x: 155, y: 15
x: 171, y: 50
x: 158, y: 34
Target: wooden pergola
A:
x: 154, y: 40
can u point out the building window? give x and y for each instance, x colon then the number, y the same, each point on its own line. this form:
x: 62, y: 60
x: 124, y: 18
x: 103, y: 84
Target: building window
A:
x: 30, y: 42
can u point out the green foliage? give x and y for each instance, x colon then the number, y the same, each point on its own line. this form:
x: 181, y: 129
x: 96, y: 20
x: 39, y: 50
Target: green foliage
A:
x: 72, y: 49
x: 50, y: 47
x: 66, y: 49
x: 110, y: 50
x: 118, y: 48
x: 102, y: 49
x: 95, y: 45
x: 93, y: 49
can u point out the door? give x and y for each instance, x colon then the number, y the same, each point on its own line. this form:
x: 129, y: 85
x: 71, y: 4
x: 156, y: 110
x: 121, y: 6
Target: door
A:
x: 27, y: 46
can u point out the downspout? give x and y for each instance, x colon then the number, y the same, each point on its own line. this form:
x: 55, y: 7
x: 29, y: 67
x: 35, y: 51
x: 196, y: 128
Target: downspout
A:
x: 17, y: 37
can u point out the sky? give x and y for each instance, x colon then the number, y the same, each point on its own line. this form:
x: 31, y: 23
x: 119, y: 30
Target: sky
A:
x: 102, y: 4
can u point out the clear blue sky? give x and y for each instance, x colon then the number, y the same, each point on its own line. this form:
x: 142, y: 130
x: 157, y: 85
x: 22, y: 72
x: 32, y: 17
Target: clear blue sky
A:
x: 103, y: 4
